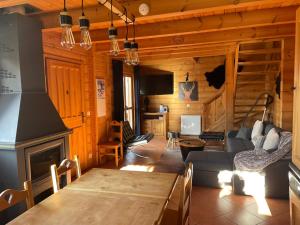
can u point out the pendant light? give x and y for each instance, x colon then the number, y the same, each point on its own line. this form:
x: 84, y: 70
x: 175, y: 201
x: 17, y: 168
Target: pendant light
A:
x: 112, y: 35
x: 127, y: 44
x: 67, y: 38
x: 134, y: 49
x: 84, y: 23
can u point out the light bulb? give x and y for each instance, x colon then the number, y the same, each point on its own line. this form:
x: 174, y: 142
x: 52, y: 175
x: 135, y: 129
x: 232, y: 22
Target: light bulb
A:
x: 85, y: 38
x: 67, y: 38
x: 127, y: 49
x: 114, y: 45
x: 134, y: 54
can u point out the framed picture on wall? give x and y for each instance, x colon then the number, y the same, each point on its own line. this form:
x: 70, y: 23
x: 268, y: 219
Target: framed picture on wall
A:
x: 188, y: 91
x: 101, y: 103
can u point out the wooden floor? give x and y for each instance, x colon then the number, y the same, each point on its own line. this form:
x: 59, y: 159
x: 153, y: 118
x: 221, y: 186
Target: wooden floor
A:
x: 209, y: 206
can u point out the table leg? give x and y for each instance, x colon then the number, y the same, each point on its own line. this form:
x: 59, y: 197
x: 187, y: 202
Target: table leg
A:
x: 117, y: 156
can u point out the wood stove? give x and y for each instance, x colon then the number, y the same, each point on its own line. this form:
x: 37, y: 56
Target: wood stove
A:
x: 32, y: 134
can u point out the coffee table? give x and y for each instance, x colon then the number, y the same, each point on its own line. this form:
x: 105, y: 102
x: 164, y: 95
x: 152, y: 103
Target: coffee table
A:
x: 188, y: 145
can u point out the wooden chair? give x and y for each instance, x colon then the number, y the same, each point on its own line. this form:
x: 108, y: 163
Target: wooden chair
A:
x: 180, y: 198
x: 185, y: 197
x: 115, y: 141
x: 9, y: 197
x: 65, y: 167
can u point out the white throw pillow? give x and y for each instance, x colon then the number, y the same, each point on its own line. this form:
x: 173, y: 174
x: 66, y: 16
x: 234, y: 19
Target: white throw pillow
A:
x: 257, y: 129
x: 272, y: 140
x: 258, y: 141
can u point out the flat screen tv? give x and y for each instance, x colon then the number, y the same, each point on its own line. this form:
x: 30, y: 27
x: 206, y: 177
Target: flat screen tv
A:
x: 155, y: 84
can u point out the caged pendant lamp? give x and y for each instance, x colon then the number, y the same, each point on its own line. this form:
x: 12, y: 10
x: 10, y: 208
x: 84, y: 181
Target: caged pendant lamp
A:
x: 84, y: 23
x: 112, y: 35
x: 67, y: 38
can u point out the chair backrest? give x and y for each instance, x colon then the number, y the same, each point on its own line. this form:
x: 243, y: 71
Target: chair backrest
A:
x: 115, y: 131
x: 185, y: 196
x: 10, y: 197
x: 127, y: 132
x: 65, y: 166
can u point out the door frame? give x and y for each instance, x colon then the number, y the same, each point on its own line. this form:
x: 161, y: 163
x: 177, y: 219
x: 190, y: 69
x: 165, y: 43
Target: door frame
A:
x: 126, y: 74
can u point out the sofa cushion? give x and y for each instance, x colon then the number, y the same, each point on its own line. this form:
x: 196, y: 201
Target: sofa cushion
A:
x: 235, y: 145
x: 257, y: 128
x: 258, y: 141
x: 211, y: 160
x: 271, y: 141
x: 244, y: 133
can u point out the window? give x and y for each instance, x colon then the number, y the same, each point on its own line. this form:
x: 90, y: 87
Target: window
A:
x: 128, y: 99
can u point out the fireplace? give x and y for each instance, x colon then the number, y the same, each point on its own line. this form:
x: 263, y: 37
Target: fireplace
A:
x: 32, y: 134
x: 31, y: 160
x: 38, y: 161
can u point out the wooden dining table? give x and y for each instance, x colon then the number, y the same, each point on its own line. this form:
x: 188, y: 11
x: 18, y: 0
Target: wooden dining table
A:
x: 105, y: 197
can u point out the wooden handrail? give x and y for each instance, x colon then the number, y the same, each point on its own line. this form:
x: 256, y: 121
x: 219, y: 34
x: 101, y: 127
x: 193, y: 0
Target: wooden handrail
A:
x: 206, y: 105
x: 215, y: 97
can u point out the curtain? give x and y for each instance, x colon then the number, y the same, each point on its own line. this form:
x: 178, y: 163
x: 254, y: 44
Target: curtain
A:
x: 117, y: 71
x: 137, y: 100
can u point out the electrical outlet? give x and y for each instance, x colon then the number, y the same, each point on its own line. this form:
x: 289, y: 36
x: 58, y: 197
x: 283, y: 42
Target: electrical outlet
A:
x: 90, y: 156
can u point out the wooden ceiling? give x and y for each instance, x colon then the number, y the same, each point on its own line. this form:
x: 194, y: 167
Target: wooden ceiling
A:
x: 160, y: 10
x: 179, y: 27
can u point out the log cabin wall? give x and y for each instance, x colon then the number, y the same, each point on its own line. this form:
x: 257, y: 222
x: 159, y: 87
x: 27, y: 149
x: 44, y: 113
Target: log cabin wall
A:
x: 103, y: 70
x: 283, y: 106
x: 196, y: 68
x: 82, y: 143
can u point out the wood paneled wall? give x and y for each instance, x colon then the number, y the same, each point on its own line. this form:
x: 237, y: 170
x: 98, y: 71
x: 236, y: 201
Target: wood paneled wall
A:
x: 103, y: 70
x: 283, y: 106
x: 180, y: 67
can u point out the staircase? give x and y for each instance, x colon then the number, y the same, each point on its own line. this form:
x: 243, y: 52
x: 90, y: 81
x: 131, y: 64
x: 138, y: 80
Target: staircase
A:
x: 256, y: 66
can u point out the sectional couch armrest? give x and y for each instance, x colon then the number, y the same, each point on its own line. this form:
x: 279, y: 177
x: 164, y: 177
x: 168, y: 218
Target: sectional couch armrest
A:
x: 232, y: 133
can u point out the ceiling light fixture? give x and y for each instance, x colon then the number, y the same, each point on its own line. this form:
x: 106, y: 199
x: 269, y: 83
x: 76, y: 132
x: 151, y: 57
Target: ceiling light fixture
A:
x: 127, y: 44
x: 84, y: 23
x: 112, y: 35
x: 67, y: 38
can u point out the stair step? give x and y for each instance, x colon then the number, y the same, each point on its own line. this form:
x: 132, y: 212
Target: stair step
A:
x: 260, y: 51
x: 245, y: 111
x: 255, y: 63
x: 240, y: 105
x: 251, y: 82
x: 256, y: 73
x: 249, y: 102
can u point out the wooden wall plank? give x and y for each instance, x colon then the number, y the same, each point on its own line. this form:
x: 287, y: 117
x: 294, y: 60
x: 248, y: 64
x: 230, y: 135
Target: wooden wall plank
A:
x: 180, y: 67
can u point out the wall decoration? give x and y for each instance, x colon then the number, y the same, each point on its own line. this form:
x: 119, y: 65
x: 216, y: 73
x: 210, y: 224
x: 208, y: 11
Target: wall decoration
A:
x: 188, y: 91
x: 216, y: 78
x: 101, y: 102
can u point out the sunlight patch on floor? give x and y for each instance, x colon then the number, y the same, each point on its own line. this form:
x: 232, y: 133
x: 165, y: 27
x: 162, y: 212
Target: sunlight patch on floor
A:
x: 254, y: 185
x: 138, y: 168
x: 224, y: 179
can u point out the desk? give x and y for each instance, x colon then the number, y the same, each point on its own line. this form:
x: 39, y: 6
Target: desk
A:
x: 106, y: 197
x: 157, y: 185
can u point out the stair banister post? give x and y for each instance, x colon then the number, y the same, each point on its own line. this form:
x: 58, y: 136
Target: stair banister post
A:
x: 229, y: 89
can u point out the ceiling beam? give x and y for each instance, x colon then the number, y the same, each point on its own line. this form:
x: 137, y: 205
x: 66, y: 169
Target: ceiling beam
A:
x: 242, y: 34
x: 165, y: 11
x: 197, y: 25
x: 118, y: 9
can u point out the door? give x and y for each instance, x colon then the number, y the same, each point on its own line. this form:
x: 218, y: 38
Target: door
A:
x: 65, y: 90
x: 128, y: 99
